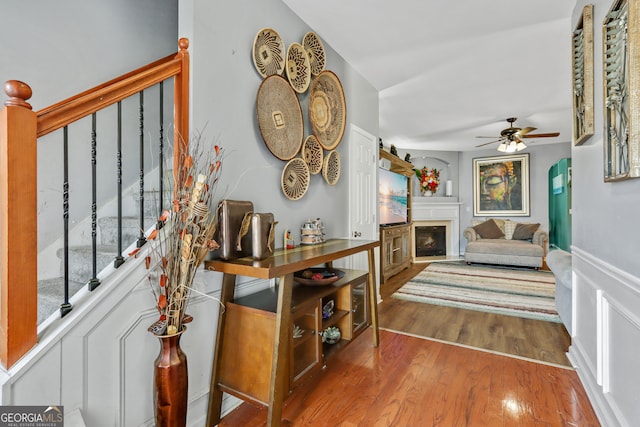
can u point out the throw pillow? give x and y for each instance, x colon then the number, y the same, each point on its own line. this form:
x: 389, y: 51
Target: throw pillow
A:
x: 489, y: 230
x: 524, y: 231
x: 499, y: 222
x: 509, y: 228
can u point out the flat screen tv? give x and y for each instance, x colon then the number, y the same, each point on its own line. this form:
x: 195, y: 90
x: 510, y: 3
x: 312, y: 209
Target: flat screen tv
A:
x: 392, y: 197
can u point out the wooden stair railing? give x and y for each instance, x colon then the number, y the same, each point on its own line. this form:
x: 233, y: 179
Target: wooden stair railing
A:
x: 19, y: 129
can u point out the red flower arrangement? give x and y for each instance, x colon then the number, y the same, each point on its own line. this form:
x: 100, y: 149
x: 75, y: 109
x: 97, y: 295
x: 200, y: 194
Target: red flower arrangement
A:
x: 429, y: 179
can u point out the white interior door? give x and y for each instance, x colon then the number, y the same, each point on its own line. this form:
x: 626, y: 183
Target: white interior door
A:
x: 363, y: 206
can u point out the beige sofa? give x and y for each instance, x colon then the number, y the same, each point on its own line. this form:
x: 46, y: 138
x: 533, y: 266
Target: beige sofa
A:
x: 520, y: 245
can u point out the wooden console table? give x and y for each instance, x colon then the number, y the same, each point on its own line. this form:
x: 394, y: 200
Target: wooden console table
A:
x: 282, y: 264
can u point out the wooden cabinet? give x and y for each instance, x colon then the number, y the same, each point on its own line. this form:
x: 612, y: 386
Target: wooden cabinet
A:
x: 256, y: 357
x: 395, y: 252
x: 247, y: 359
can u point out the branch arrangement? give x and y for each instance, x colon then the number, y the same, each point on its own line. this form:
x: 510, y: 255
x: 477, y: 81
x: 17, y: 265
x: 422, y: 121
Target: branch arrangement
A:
x: 184, y: 236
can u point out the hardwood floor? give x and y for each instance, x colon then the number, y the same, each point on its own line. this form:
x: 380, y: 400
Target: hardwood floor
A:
x: 533, y: 339
x: 413, y: 381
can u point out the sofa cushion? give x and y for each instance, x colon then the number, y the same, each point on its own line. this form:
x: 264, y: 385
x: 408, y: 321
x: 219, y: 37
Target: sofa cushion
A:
x: 509, y: 228
x: 502, y: 247
x: 489, y: 230
x: 559, y: 262
x: 499, y: 222
x: 524, y: 231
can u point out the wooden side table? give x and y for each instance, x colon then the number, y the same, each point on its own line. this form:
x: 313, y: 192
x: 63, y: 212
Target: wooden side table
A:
x: 282, y: 264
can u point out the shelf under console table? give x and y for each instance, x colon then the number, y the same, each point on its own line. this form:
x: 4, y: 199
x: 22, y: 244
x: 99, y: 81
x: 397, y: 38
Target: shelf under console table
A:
x: 281, y: 265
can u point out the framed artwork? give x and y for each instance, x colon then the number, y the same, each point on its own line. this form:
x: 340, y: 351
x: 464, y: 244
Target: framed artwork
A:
x: 582, y: 41
x: 621, y: 60
x: 501, y: 185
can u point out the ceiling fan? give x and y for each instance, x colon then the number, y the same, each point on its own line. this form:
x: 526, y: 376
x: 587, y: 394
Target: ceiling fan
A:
x: 510, y: 139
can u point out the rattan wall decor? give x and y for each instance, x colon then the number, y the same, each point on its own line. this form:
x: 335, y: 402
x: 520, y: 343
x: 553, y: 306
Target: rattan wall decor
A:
x: 331, y: 168
x: 268, y: 52
x: 298, y: 68
x: 312, y: 44
x: 279, y: 117
x: 327, y: 109
x: 312, y: 154
x: 285, y: 74
x: 295, y: 179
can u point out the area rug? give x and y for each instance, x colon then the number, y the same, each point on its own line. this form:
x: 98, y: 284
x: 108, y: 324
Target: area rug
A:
x: 518, y: 292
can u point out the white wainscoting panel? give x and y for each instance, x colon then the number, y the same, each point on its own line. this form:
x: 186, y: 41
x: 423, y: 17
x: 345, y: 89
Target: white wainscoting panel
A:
x: 606, y: 343
x: 98, y: 360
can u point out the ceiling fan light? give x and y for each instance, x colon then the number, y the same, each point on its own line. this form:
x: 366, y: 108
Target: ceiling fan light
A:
x: 511, y: 148
x: 502, y: 147
x: 520, y: 146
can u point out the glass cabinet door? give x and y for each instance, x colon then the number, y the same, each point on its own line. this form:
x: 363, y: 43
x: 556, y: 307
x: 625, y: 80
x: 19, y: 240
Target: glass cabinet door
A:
x: 359, y: 306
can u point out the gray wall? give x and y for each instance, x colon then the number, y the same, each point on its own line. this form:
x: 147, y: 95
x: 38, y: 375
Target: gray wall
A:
x: 460, y: 171
x: 605, y: 215
x: 225, y: 83
x: 606, y: 272
x: 65, y: 47
x: 541, y: 158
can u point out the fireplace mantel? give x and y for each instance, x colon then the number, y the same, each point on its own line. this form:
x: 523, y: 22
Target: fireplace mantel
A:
x: 438, y: 210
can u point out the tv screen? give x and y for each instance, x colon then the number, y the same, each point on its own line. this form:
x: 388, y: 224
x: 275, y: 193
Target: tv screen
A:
x: 392, y: 197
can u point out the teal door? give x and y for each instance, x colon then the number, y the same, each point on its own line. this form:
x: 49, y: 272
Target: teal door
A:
x: 560, y: 205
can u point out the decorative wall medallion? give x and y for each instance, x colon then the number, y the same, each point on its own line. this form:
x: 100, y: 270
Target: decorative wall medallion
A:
x: 331, y: 168
x: 279, y: 117
x: 298, y: 68
x: 312, y: 154
x: 268, y: 52
x: 295, y: 179
x: 314, y: 48
x: 327, y: 109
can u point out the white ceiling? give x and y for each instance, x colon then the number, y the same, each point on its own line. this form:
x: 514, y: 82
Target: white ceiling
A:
x: 448, y: 71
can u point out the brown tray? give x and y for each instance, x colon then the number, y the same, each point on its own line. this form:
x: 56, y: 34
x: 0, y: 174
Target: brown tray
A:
x: 297, y: 277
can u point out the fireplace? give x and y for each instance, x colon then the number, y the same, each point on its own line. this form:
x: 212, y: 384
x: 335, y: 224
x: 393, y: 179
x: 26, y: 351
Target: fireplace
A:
x: 431, y: 240
x: 428, y: 213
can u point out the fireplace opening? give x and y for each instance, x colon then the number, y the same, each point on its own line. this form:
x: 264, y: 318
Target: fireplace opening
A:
x: 430, y: 240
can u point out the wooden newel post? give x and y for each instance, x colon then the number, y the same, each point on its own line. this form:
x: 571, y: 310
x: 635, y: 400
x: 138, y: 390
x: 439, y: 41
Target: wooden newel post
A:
x: 181, y: 110
x: 18, y: 224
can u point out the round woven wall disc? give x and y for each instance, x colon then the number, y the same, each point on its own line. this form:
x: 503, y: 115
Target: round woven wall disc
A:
x: 312, y: 154
x: 298, y: 68
x: 295, y: 179
x: 331, y: 168
x: 312, y: 44
x: 279, y: 117
x: 327, y: 109
x: 268, y: 52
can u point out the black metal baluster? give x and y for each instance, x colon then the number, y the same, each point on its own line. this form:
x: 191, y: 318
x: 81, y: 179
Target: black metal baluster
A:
x: 94, y: 282
x: 142, y: 239
x: 65, y: 307
x: 161, y: 163
x: 119, y: 260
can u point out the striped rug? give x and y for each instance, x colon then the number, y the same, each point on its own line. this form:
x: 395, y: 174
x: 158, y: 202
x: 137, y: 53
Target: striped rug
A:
x: 512, y: 291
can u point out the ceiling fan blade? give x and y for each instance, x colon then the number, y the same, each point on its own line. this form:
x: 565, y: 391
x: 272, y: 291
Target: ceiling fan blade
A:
x: 490, y: 142
x: 526, y: 130
x: 542, y: 135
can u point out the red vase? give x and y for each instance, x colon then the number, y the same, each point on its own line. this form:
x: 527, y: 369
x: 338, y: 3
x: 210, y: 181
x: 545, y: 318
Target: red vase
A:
x: 171, y: 383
